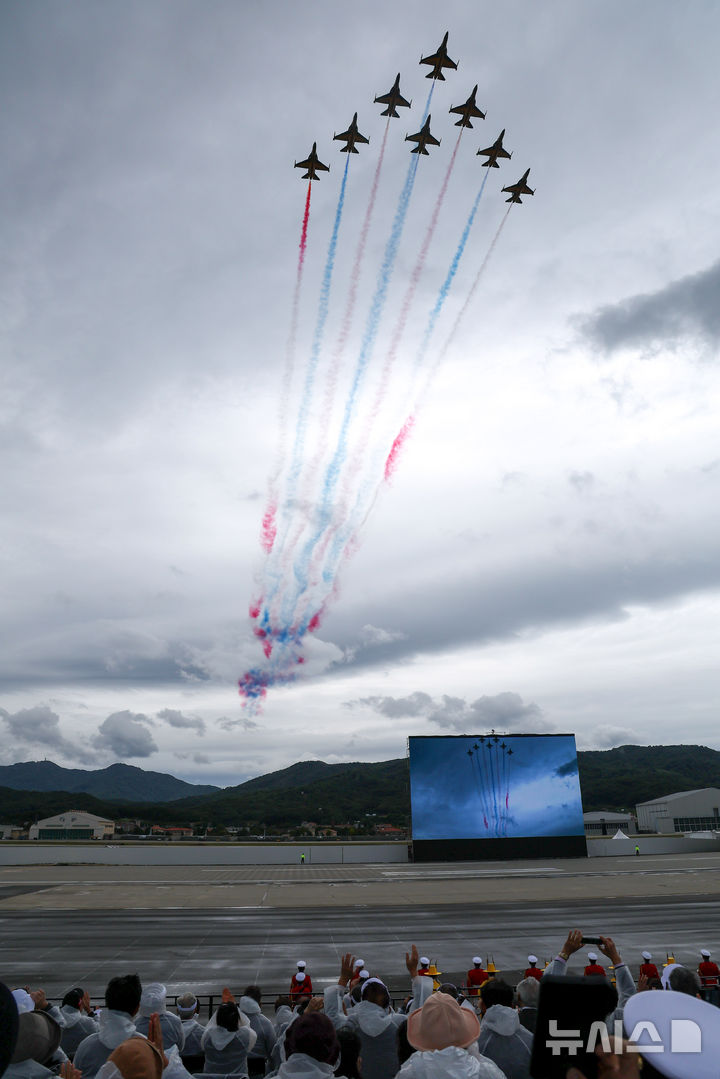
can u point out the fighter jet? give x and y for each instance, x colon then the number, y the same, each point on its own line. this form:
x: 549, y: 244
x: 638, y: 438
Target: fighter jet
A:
x: 422, y: 138
x: 518, y: 189
x: 467, y: 110
x: 351, y: 136
x: 438, y: 61
x: 392, y: 99
x: 494, y: 152
x: 312, y: 164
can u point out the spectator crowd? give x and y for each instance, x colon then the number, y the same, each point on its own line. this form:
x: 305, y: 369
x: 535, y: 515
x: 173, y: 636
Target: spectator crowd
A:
x: 603, y: 1021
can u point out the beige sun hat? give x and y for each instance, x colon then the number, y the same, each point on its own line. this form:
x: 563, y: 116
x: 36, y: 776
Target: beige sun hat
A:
x: 441, y: 1022
x: 38, y: 1037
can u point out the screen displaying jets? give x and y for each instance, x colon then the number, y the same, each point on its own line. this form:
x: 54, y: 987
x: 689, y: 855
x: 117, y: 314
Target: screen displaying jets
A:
x: 423, y: 138
x: 393, y: 98
x: 439, y: 60
x: 351, y: 136
x: 468, y: 110
x: 494, y: 152
x: 518, y: 189
x: 312, y: 164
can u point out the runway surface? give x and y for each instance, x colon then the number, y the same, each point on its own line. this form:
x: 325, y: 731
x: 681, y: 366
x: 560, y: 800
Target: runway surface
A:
x: 70, y: 925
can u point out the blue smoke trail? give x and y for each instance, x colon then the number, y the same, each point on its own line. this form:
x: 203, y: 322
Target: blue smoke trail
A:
x: 332, y: 474
x: 445, y: 287
x: 323, y: 305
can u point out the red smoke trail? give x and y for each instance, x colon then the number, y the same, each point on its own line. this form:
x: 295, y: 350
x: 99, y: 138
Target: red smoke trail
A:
x: 400, y: 438
x: 268, y: 529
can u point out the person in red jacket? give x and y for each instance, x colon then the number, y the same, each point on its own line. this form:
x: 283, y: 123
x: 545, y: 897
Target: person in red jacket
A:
x: 476, y: 977
x: 532, y: 971
x: 301, y: 984
x: 647, y: 968
x: 709, y: 978
x: 593, y: 966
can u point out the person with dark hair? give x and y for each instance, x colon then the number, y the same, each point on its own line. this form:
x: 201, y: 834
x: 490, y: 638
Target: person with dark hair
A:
x: 250, y: 1005
x: 350, y: 1045
x: 227, y: 1040
x: 373, y: 1018
x: 79, y: 1020
x: 311, y: 1048
x: 502, y: 1037
x: 122, y: 1000
x: 682, y: 980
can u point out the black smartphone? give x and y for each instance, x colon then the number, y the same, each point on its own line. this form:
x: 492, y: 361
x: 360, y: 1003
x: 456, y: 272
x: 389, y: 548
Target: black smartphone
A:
x: 592, y: 940
x: 567, y: 1008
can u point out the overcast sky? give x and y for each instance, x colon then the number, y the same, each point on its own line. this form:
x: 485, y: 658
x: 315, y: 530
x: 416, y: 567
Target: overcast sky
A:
x: 546, y: 557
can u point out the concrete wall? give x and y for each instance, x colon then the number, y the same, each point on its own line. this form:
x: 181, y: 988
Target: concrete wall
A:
x: 649, y: 844
x: 153, y: 853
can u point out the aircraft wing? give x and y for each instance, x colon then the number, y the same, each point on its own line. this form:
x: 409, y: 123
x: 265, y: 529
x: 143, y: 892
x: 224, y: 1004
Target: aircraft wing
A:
x: 439, y: 60
x: 393, y: 100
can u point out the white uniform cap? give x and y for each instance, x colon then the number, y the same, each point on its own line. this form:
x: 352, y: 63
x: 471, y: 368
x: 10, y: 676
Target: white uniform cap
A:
x: 705, y: 952
x: 688, y: 1028
x: 647, y: 956
x: 424, y: 961
x: 359, y: 964
x: 299, y: 977
x: 477, y: 959
x: 532, y: 959
x: 364, y: 975
x: 301, y: 964
x: 592, y: 956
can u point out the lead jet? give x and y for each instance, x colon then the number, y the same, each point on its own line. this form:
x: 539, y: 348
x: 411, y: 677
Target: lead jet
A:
x: 494, y: 152
x: 351, y: 136
x: 312, y: 164
x: 467, y: 110
x: 422, y: 138
x: 518, y: 189
x: 393, y: 98
x: 438, y: 61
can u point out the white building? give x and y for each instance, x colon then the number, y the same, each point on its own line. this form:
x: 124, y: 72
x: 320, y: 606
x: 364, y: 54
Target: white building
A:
x: 73, y: 824
x: 686, y: 811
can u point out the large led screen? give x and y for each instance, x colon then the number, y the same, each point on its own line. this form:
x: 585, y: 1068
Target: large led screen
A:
x: 495, y: 788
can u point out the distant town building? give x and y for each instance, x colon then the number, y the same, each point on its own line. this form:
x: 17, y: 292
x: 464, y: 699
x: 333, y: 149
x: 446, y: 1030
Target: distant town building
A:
x: 686, y: 811
x: 171, y: 832
x: 603, y: 822
x: 10, y: 831
x: 73, y: 824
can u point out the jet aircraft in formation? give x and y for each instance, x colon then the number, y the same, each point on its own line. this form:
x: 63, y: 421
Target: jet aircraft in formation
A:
x: 494, y: 152
x: 467, y: 110
x: 518, y: 189
x: 439, y: 60
x: 351, y: 136
x: 422, y: 138
x: 393, y: 98
x: 312, y: 164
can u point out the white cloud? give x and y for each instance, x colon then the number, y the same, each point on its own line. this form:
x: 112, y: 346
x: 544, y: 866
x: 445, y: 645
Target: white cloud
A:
x: 125, y: 734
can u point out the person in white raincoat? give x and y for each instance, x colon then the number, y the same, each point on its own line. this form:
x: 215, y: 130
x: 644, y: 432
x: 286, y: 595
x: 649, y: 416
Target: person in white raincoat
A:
x: 79, y: 1022
x: 445, y: 1035
x: 122, y: 1000
x: 266, y: 1037
x: 226, y: 1042
x: 187, y: 1009
x: 154, y: 1001
x: 373, y: 1018
x: 313, y: 1050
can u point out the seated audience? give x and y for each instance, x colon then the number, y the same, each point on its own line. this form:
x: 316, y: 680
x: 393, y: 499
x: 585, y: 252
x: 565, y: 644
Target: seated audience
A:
x: 115, y: 1025
x: 527, y: 992
x: 78, y: 1018
x: 227, y: 1040
x: 443, y: 1033
x: 502, y: 1037
x: 264, y: 1030
x: 154, y: 1002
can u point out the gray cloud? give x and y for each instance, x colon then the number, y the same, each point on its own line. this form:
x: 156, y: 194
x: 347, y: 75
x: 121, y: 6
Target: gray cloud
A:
x: 126, y: 735
x: 227, y: 724
x: 686, y: 308
x: 417, y: 704
x: 506, y: 711
x: 39, y: 728
x: 182, y: 722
